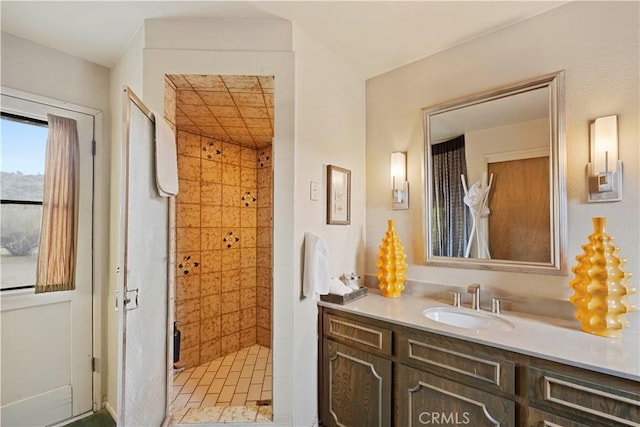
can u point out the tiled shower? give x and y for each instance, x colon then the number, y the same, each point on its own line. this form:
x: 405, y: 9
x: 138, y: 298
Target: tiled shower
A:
x: 223, y: 240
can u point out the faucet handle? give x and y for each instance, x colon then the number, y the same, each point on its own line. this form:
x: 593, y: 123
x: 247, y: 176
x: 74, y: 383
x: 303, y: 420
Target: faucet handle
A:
x: 496, y: 305
x: 456, y: 299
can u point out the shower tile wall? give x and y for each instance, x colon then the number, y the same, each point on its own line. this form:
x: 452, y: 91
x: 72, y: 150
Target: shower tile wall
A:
x: 264, y: 247
x: 223, y: 247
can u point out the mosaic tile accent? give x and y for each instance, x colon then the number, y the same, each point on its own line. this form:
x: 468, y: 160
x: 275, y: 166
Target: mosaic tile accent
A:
x: 211, y: 149
x: 187, y: 264
x: 248, y: 199
x: 264, y: 159
x: 230, y: 240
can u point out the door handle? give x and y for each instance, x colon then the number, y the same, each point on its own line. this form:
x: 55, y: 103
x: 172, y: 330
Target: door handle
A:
x: 130, y: 301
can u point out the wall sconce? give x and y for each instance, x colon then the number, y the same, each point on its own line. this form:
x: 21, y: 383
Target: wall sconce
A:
x: 399, y: 184
x: 604, y: 170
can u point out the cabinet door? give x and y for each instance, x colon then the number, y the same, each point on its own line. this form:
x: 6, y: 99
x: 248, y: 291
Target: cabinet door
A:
x: 356, y: 387
x: 582, y: 395
x: 426, y: 399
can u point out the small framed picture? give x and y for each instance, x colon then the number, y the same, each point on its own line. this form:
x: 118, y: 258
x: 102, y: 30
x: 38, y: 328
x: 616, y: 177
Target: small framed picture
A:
x: 338, y: 195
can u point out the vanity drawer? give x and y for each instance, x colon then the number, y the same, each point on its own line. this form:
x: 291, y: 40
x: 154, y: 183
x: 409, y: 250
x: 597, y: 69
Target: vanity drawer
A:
x: 362, y: 335
x: 466, y: 362
x: 595, y: 398
x: 537, y: 418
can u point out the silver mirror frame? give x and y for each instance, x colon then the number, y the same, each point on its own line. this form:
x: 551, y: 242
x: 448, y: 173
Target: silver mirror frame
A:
x: 555, y: 83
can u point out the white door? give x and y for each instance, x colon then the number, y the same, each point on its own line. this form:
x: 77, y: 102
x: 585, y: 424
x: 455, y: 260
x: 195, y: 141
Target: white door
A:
x: 46, y: 349
x: 143, y: 276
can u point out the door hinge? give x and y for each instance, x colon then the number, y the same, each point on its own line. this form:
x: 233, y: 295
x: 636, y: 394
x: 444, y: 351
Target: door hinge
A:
x: 93, y: 147
x: 93, y: 364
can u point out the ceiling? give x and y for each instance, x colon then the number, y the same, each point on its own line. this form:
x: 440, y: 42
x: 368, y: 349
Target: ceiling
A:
x: 507, y: 110
x: 232, y: 108
x: 373, y: 37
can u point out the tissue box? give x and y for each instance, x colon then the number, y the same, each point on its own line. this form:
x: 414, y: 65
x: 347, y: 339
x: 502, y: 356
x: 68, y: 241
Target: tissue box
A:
x: 345, y: 299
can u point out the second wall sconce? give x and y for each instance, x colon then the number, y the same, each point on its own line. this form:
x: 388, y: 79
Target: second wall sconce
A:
x: 604, y: 168
x: 399, y: 184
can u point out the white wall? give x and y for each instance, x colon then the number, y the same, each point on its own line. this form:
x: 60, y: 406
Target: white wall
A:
x: 330, y: 119
x: 39, y: 70
x: 329, y: 129
x: 502, y: 139
x: 596, y: 43
x: 193, y: 55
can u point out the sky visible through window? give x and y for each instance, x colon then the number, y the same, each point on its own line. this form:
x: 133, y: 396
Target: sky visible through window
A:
x: 22, y: 147
x: 22, y: 157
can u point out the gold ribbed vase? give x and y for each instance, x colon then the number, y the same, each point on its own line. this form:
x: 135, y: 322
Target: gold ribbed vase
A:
x: 601, y: 285
x: 391, y: 264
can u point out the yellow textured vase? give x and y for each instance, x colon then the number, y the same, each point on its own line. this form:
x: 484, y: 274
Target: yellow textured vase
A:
x: 391, y: 264
x: 601, y: 285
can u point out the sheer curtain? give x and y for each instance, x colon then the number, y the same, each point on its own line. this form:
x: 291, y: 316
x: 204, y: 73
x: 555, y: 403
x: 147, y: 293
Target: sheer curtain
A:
x: 450, y: 225
x: 58, y: 235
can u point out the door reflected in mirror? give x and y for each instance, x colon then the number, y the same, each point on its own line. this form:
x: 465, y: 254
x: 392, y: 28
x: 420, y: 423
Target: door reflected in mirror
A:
x: 495, y: 192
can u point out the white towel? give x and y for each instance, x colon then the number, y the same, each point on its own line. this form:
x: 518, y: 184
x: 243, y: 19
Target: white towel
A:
x: 337, y: 287
x: 315, y: 277
x: 166, y: 158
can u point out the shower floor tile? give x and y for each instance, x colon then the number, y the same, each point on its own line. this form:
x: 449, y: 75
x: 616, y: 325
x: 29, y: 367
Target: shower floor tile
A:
x: 237, y: 380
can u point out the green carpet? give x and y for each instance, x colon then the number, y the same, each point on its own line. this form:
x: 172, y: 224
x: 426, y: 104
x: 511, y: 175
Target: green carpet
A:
x: 102, y: 418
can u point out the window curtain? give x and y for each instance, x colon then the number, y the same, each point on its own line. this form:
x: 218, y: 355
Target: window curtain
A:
x: 58, y: 235
x: 450, y: 225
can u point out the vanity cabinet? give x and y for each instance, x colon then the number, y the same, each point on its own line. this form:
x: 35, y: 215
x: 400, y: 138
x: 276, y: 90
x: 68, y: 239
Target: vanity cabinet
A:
x: 443, y: 380
x: 537, y: 418
x: 367, y: 364
x: 580, y: 395
x: 375, y: 373
x: 356, y: 373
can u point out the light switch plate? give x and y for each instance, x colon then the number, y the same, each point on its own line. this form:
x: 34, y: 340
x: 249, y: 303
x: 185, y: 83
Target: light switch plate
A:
x: 314, y: 191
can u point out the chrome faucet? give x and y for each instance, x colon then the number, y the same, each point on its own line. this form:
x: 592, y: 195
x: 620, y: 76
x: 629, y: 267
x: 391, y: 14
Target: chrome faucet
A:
x: 474, y: 290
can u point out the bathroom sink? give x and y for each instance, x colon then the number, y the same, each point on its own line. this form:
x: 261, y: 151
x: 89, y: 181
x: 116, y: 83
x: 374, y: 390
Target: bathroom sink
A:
x: 468, y: 319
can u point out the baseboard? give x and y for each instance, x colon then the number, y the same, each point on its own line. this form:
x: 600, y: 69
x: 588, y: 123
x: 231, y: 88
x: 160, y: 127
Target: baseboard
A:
x: 111, y: 411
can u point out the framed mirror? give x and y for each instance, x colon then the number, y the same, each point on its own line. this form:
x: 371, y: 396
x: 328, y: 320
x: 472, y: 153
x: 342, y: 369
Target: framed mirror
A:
x: 495, y: 196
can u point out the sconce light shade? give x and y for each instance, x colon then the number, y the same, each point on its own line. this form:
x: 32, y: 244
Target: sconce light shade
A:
x: 399, y: 184
x: 604, y: 170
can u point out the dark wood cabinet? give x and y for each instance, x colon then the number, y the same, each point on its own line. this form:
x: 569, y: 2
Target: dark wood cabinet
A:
x: 536, y: 418
x: 373, y: 337
x: 356, y: 387
x: 579, y: 395
x: 427, y: 399
x: 376, y: 373
x: 469, y: 363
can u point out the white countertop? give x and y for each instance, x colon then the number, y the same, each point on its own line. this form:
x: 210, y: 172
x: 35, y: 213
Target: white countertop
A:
x: 544, y: 337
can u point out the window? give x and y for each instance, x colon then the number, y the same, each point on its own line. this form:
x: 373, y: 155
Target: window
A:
x: 22, y: 150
